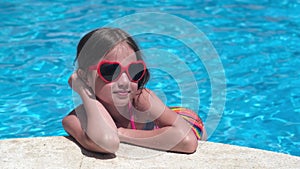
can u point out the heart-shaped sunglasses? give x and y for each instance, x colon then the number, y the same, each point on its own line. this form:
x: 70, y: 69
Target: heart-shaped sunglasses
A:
x: 110, y: 71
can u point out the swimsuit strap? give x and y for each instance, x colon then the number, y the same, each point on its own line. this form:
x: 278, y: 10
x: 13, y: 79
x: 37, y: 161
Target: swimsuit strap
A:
x: 131, y: 117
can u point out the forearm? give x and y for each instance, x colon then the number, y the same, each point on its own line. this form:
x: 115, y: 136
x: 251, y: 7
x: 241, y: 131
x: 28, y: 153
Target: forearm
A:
x: 166, y: 138
x: 98, y: 119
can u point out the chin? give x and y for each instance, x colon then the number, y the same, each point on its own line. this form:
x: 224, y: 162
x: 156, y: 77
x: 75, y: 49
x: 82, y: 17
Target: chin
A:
x: 118, y: 102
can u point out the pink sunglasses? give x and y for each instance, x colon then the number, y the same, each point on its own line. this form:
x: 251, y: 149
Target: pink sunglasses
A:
x: 110, y: 71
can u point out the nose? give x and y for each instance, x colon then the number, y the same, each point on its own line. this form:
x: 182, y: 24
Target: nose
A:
x: 123, y: 81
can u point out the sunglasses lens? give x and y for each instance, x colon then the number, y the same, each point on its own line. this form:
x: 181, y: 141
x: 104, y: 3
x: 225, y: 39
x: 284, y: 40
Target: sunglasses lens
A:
x: 110, y: 71
x: 136, y: 71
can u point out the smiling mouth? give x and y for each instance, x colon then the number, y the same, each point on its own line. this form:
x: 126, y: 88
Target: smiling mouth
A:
x: 122, y: 93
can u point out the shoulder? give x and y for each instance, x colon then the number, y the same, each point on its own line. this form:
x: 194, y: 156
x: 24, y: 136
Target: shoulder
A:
x: 147, y: 101
x: 155, y: 109
x: 143, y: 98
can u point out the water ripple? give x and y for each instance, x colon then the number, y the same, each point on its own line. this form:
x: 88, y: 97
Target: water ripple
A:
x: 258, y: 43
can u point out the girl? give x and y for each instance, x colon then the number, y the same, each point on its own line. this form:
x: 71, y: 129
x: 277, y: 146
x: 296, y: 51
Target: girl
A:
x: 116, y: 107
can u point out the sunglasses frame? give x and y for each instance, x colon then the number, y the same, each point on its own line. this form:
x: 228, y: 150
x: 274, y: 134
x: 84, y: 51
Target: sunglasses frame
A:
x: 123, y: 69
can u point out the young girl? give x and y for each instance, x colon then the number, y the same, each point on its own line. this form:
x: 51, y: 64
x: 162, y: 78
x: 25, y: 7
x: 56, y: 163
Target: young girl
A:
x: 116, y: 107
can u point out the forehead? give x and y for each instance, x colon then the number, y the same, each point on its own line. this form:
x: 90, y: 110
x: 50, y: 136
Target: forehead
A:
x: 122, y: 53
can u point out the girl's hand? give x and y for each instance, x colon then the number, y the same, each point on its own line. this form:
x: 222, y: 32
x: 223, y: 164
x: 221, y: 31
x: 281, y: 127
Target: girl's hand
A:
x: 78, y: 85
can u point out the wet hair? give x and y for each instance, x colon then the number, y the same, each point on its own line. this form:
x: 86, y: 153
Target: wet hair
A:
x: 97, y: 43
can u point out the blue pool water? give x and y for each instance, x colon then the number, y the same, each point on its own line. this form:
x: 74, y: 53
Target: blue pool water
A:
x: 257, y: 42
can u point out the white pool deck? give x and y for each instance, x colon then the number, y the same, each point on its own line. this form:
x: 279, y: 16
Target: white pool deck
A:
x: 63, y: 152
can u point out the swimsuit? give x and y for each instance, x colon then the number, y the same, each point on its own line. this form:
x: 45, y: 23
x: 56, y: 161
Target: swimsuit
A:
x: 191, y: 117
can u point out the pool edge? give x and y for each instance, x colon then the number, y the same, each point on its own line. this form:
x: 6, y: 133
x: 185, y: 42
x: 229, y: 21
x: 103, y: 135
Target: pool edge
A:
x: 63, y: 152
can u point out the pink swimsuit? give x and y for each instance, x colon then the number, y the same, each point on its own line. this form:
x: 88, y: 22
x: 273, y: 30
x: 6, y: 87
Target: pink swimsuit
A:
x: 148, y: 126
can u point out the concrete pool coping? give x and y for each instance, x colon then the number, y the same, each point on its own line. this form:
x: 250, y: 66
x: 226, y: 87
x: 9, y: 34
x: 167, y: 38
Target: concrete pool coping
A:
x: 63, y: 152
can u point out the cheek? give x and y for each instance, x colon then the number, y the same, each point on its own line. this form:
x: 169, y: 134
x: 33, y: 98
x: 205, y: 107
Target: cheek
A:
x: 134, y: 87
x: 103, y: 90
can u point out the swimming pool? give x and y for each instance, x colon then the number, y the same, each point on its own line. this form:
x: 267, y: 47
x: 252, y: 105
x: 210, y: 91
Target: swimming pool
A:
x: 258, y: 44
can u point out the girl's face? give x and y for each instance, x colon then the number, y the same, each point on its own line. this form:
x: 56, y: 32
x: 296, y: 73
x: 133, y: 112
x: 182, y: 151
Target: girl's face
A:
x: 121, y: 91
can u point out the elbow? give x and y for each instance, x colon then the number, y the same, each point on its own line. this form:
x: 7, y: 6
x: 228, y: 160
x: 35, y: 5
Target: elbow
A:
x: 108, y: 143
x: 189, y: 143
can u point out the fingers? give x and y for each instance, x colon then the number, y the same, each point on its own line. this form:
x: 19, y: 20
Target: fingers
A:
x: 76, y: 82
